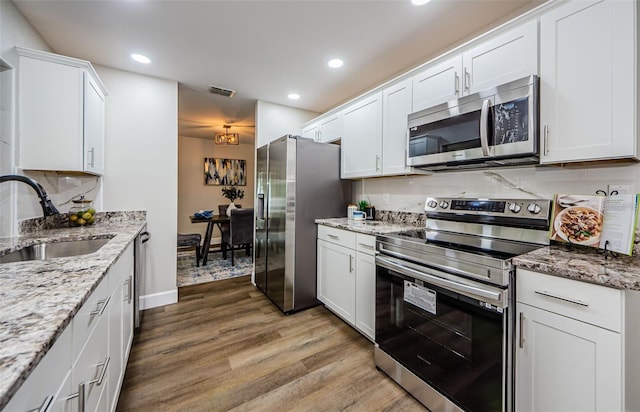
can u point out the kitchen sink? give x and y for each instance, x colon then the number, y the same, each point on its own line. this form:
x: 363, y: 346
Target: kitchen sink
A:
x: 43, y: 251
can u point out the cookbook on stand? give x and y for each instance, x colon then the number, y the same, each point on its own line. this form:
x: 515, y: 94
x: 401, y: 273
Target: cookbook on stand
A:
x: 595, y: 221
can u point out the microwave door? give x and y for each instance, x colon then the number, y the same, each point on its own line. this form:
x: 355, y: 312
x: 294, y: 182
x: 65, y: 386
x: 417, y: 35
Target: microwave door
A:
x: 485, y: 128
x: 515, y: 122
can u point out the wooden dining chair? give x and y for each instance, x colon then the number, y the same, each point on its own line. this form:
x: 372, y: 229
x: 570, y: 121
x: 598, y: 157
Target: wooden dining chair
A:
x: 240, y: 233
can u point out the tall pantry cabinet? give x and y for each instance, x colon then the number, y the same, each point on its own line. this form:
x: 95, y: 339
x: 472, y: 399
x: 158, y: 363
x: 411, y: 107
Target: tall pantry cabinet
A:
x: 61, y: 114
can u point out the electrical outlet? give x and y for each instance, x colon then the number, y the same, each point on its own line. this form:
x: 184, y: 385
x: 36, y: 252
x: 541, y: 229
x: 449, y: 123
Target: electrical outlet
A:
x: 385, y: 198
x: 621, y: 189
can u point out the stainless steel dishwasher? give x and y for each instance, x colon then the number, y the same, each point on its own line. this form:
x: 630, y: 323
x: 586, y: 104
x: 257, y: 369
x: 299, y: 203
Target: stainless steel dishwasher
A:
x: 140, y: 258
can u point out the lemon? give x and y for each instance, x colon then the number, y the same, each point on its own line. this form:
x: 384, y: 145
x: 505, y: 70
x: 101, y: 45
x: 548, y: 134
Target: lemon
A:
x: 91, y: 210
x: 81, y: 221
x: 73, y: 218
x: 87, y: 216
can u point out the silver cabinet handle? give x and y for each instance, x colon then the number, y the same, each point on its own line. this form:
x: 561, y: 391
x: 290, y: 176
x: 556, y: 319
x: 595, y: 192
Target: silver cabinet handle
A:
x: 104, y: 303
x: 456, y: 83
x: 93, y: 158
x: 467, y: 79
x: 484, y: 127
x: 546, y: 139
x: 377, y: 163
x: 98, y: 381
x: 333, y: 236
x: 80, y: 396
x: 367, y: 246
x: 45, y: 405
x: 562, y: 298
x: 521, y: 330
x: 127, y: 283
x: 130, y: 291
x: 350, y: 263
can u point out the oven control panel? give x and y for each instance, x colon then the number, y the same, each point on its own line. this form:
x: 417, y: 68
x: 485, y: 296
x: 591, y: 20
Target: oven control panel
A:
x: 517, y: 208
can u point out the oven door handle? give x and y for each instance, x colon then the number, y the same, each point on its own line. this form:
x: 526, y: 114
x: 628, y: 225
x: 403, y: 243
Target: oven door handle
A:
x: 438, y: 281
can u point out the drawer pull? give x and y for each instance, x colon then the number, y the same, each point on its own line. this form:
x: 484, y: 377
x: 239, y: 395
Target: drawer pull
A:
x: 350, y: 263
x: 367, y: 246
x: 575, y: 302
x: 333, y: 236
x: 103, y: 372
x: 521, y: 330
x: 80, y: 395
x: 104, y: 303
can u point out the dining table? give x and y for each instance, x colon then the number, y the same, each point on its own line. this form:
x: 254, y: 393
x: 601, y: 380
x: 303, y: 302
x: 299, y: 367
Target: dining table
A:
x: 215, y: 220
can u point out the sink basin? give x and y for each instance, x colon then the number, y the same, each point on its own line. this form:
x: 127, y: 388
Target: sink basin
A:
x: 43, y: 251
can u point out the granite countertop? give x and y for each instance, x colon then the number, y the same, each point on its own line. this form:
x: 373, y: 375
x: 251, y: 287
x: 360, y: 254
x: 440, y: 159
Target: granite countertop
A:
x: 39, y: 298
x: 585, y: 264
x: 369, y: 227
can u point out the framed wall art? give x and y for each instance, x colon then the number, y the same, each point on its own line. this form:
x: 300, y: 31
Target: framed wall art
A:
x: 225, y: 172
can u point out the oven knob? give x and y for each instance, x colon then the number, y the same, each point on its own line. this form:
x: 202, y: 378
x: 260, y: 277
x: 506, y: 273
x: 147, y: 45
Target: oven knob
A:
x: 515, y: 208
x: 533, y: 208
x: 444, y: 204
x: 432, y: 204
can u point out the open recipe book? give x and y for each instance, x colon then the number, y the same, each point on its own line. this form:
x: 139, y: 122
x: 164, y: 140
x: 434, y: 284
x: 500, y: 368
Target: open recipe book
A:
x: 595, y: 221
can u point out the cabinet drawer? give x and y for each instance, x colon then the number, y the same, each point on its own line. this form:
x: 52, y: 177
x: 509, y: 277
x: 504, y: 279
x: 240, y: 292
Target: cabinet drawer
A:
x: 46, y: 379
x: 89, y: 315
x: 365, y: 243
x: 338, y: 236
x: 586, y: 302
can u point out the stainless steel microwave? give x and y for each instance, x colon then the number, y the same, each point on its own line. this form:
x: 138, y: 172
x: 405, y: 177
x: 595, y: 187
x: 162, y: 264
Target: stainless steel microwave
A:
x: 494, y: 127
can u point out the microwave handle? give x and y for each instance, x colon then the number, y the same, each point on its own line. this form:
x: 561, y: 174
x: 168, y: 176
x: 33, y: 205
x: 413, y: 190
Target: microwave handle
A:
x: 484, y: 127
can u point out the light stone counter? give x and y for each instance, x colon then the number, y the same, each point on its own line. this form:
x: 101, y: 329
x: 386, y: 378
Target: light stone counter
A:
x: 582, y: 263
x: 39, y: 298
x: 369, y: 227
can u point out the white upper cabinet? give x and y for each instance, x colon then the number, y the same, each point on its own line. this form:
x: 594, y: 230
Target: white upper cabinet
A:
x: 396, y: 106
x: 499, y: 59
x: 588, y: 81
x: 61, y: 110
x: 361, y: 154
x: 327, y: 128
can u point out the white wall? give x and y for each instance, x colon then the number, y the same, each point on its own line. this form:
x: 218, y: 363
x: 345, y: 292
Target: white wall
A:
x: 193, y: 194
x: 141, y: 166
x: 409, y: 193
x: 274, y: 121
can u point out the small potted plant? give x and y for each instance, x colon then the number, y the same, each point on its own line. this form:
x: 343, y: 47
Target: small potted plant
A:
x: 232, y: 193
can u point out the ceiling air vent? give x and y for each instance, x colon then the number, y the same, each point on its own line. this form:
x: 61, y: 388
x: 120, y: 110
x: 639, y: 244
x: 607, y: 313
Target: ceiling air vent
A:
x: 221, y: 91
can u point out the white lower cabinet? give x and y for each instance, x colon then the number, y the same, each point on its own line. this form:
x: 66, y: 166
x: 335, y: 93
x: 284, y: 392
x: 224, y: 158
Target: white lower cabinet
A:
x: 84, y: 369
x: 570, y: 345
x: 346, y: 276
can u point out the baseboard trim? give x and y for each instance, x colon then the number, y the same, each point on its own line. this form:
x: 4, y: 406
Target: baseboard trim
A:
x: 158, y: 299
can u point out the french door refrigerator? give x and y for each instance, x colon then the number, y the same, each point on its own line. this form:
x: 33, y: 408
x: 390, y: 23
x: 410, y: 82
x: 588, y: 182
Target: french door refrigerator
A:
x: 297, y: 181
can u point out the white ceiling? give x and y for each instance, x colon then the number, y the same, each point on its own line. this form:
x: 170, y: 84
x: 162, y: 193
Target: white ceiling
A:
x: 262, y: 49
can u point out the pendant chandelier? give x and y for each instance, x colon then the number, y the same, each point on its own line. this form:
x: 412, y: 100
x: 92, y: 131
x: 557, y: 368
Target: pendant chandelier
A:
x: 227, y: 138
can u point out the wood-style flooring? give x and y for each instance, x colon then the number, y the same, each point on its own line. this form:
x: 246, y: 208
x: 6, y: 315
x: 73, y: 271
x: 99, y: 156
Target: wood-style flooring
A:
x: 224, y: 346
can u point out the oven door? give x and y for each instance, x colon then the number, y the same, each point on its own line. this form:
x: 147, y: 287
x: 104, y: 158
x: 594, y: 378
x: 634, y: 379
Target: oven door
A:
x: 453, y: 336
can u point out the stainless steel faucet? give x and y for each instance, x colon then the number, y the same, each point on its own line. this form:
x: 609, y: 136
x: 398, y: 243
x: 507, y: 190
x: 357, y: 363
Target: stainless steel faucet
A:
x: 48, y: 209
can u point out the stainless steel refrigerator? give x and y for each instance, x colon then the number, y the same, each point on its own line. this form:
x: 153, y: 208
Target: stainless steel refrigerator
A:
x: 297, y: 181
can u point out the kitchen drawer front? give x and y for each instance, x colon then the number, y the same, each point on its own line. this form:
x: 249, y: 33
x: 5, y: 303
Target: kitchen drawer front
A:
x: 597, y: 305
x: 338, y: 236
x: 366, y: 243
x: 92, y: 366
x: 89, y: 315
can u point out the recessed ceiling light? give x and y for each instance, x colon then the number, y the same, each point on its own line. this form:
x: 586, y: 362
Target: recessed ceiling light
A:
x: 335, y: 63
x: 419, y: 2
x: 293, y: 96
x: 140, y: 58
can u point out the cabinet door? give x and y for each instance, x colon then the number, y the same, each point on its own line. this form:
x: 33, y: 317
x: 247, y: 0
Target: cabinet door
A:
x: 506, y: 57
x: 50, y: 115
x: 330, y: 127
x: 438, y: 83
x: 556, y: 352
x: 336, y: 279
x: 587, y: 67
x: 366, y: 294
x: 94, y: 106
x: 396, y: 106
x: 362, y: 142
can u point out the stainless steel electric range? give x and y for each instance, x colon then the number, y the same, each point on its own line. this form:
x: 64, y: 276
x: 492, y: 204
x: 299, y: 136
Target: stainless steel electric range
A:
x: 444, y: 318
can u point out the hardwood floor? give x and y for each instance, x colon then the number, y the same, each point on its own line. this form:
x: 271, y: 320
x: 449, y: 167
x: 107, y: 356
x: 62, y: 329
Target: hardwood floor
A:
x: 224, y: 346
